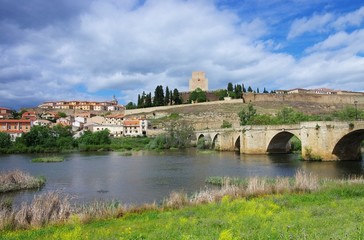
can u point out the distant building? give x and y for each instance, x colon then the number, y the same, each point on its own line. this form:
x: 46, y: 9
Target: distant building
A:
x: 81, y: 105
x: 198, y: 80
x: 5, y: 113
x: 32, y: 116
x: 114, y: 119
x: 51, y: 116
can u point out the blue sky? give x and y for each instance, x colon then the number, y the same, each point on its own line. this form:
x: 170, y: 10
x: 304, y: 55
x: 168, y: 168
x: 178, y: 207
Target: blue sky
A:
x: 92, y: 50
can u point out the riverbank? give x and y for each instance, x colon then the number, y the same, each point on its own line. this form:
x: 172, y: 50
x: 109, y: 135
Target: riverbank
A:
x: 334, y: 210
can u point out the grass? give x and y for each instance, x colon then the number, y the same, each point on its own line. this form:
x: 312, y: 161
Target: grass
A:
x: 48, y: 159
x: 18, y: 180
x: 332, y: 211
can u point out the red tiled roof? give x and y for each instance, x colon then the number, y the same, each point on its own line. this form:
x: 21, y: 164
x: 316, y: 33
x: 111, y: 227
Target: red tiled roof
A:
x: 131, y: 123
x: 15, y: 121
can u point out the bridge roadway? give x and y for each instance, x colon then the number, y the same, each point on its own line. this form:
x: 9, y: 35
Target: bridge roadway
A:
x: 321, y: 140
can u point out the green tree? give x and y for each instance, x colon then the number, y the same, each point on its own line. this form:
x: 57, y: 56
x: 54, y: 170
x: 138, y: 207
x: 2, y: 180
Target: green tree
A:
x: 247, y: 115
x: 221, y: 94
x: 158, y: 96
x: 238, y: 91
x: 96, y: 138
x: 166, y: 97
x: 176, y: 97
x: 197, y: 96
x: 230, y: 87
x: 148, y: 100
x: 62, y: 114
x: 130, y: 105
x: 5, y: 141
x: 250, y: 89
x: 226, y: 124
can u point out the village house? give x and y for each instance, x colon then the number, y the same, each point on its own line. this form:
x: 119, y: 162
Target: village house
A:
x: 15, y: 127
x: 42, y: 122
x: 32, y: 116
x: 135, y: 127
x: 114, y: 119
x: 51, y: 116
x: 115, y: 130
x: 5, y: 113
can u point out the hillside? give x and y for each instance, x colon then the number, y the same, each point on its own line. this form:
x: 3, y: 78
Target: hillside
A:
x: 212, y: 114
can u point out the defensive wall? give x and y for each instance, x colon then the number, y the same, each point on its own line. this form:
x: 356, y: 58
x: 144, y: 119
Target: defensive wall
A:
x: 304, y: 97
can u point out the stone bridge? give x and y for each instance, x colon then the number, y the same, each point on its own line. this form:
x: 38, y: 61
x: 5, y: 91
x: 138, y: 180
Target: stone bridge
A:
x: 320, y: 140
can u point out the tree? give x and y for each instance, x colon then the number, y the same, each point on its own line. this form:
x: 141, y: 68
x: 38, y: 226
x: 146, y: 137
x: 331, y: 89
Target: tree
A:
x: 166, y: 97
x: 139, y: 104
x: 238, y: 91
x: 250, y: 89
x: 62, y: 114
x: 257, y: 90
x: 198, y: 96
x: 158, y: 96
x: 243, y: 88
x: 230, y: 87
x: 247, y: 115
x: 221, y: 94
x: 265, y: 91
x: 148, y: 100
x: 5, y: 141
x: 96, y: 138
x: 130, y: 105
x: 176, y: 97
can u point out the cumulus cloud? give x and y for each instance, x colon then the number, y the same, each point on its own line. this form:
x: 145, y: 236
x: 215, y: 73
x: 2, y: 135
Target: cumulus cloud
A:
x: 316, y: 23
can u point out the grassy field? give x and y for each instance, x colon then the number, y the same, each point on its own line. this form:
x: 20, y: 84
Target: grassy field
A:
x: 333, y: 212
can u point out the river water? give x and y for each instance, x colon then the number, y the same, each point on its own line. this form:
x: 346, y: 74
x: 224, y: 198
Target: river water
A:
x: 151, y: 176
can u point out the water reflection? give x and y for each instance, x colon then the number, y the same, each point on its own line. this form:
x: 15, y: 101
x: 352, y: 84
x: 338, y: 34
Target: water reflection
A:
x: 151, y: 176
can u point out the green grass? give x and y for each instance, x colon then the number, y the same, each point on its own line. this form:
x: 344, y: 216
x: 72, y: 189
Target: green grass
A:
x: 335, y: 212
x: 48, y: 159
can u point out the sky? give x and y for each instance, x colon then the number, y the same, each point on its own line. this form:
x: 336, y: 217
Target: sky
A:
x: 95, y: 49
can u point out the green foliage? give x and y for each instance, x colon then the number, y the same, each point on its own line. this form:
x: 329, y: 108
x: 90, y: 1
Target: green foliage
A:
x: 247, y: 115
x: 226, y: 124
x: 95, y: 138
x: 130, y: 105
x: 296, y: 144
x: 197, y: 96
x: 62, y: 114
x: 176, y: 97
x: 348, y: 114
x: 179, y: 135
x: 221, y: 94
x: 48, y: 159
x: 158, y: 96
x: 5, y: 141
x: 202, y: 144
x: 129, y: 143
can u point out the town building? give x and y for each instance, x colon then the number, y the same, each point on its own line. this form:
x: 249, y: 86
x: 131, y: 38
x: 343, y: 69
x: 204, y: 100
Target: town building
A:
x: 83, y: 105
x: 32, y: 116
x: 51, y: 116
x: 135, y: 127
x: 114, y: 119
x: 15, y: 127
x: 5, y: 113
x: 198, y: 80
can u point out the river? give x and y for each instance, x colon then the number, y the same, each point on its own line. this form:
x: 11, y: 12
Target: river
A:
x: 151, y: 176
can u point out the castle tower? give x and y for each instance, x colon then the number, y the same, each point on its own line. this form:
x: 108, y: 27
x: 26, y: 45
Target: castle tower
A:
x: 198, y: 80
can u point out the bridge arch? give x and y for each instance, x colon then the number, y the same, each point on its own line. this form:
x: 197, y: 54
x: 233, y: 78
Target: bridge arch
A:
x: 349, y: 146
x: 237, y: 144
x: 216, y: 141
x: 280, y: 142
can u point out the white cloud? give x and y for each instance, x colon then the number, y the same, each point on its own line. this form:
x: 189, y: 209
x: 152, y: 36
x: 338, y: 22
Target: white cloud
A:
x: 354, y: 18
x: 128, y: 48
x: 316, y: 23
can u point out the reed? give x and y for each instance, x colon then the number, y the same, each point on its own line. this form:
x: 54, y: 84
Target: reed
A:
x: 48, y: 159
x: 18, y: 180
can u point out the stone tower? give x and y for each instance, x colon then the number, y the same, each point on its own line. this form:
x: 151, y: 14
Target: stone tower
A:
x: 198, y: 80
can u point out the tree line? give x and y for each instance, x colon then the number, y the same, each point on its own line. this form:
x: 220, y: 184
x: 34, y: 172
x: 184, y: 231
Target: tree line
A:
x: 165, y: 96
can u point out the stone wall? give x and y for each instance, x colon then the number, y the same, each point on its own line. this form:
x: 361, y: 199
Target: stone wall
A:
x: 303, y: 97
